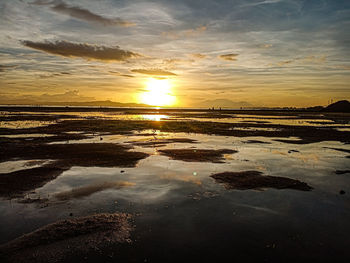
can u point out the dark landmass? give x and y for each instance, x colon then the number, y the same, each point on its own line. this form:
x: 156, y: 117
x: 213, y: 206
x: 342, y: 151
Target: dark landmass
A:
x: 64, y: 156
x: 197, y: 155
x: 256, y: 180
x: 342, y: 106
x: 339, y: 106
x: 62, y: 239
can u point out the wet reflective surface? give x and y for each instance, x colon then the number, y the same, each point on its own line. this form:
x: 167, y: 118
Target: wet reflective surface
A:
x: 180, y: 212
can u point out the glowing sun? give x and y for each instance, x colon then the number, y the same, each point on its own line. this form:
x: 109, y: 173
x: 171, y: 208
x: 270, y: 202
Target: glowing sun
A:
x: 158, y: 93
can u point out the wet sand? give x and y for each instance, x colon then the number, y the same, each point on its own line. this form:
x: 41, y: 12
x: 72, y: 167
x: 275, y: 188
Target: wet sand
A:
x: 58, y: 241
x: 256, y: 180
x: 197, y: 155
x: 199, y: 185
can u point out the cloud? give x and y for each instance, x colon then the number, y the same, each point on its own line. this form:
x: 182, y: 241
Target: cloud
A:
x: 173, y: 61
x: 6, y: 67
x: 84, y: 14
x: 264, y: 2
x: 67, y: 96
x: 154, y: 72
x: 198, y: 55
x: 82, y: 50
x: 229, y: 57
x: 52, y: 75
x: 121, y: 74
x: 304, y: 60
x: 266, y: 46
x: 185, y: 33
x: 285, y: 62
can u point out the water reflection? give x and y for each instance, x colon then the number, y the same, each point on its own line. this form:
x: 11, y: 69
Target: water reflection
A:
x: 154, y: 117
x: 179, y: 198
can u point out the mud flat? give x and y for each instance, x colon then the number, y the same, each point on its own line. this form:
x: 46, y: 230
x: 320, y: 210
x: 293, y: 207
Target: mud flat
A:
x: 197, y: 155
x: 306, y: 134
x: 256, y: 180
x: 65, y: 238
x: 64, y: 156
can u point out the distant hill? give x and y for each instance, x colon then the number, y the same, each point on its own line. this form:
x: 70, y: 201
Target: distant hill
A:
x: 224, y: 103
x: 339, y: 106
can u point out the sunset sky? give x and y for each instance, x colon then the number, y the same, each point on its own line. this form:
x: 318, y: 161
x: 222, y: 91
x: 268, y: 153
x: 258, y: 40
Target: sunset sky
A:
x: 182, y: 53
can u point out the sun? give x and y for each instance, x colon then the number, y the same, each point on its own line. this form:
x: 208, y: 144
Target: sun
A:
x: 158, y: 93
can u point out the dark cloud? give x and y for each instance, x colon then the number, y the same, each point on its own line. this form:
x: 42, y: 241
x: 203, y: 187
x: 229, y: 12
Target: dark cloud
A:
x: 154, y: 72
x: 229, y: 57
x: 83, y: 50
x: 84, y: 14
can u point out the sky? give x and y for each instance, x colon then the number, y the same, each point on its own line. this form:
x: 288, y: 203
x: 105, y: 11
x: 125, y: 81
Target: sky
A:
x: 187, y: 52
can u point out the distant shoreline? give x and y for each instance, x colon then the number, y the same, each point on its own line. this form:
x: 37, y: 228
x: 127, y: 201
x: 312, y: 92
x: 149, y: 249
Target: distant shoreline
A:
x: 49, y: 108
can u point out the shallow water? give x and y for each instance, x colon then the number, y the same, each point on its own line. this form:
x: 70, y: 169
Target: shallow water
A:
x: 316, y: 120
x: 180, y: 211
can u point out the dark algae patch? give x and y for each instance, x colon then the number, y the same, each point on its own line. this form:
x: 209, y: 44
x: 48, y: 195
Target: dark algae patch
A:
x: 338, y: 149
x: 256, y: 141
x: 256, y: 180
x: 306, y: 134
x: 64, y: 156
x: 62, y: 239
x: 342, y: 171
x: 15, y: 184
x: 79, y: 154
x: 197, y: 155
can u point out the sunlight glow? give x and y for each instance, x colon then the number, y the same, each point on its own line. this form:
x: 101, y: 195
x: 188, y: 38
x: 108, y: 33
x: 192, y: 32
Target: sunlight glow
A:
x: 154, y: 117
x: 158, y: 93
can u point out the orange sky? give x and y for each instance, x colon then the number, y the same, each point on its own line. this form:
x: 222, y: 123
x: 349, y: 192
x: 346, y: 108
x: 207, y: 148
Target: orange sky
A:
x: 240, y: 53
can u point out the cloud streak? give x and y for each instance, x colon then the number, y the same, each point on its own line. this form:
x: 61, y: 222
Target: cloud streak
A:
x: 117, y: 73
x: 3, y: 68
x: 198, y: 55
x: 84, y: 14
x: 304, y: 60
x: 185, y: 33
x: 229, y: 57
x: 82, y: 50
x: 154, y: 72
